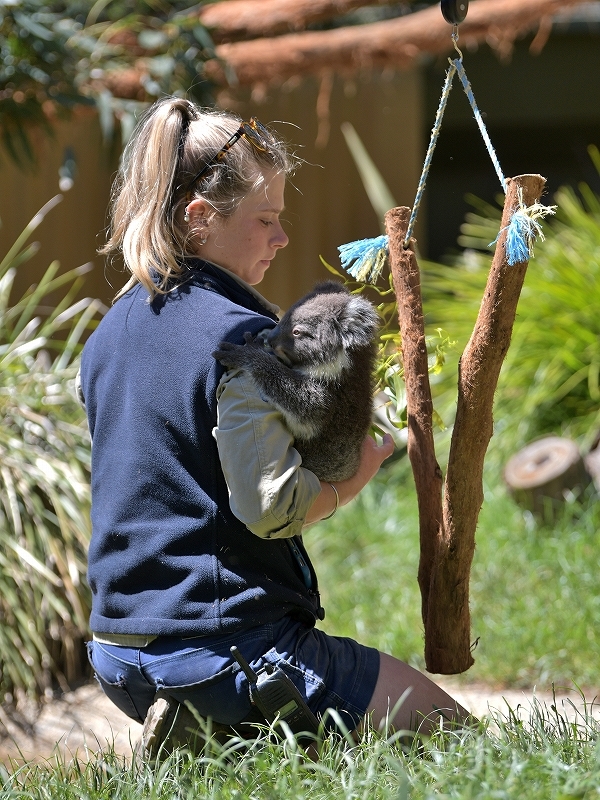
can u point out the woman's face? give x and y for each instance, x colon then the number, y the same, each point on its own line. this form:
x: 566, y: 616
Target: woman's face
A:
x: 246, y: 242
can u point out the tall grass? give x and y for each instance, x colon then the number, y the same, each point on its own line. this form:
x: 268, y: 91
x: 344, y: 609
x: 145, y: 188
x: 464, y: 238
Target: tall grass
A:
x: 44, y: 477
x: 543, y: 756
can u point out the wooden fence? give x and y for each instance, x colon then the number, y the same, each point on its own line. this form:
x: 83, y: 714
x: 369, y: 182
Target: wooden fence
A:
x: 326, y: 204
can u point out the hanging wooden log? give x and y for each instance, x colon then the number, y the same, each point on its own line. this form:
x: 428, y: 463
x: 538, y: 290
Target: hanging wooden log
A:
x: 447, y: 525
x: 389, y: 44
x: 235, y: 20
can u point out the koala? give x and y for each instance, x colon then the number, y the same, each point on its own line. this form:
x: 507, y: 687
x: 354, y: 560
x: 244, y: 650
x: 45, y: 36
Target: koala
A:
x: 316, y: 367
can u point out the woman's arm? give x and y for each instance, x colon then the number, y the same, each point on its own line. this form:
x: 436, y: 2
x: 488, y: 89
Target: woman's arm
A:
x: 270, y: 491
x: 373, y: 455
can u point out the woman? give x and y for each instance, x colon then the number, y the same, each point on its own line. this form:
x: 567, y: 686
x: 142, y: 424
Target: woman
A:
x: 199, y: 498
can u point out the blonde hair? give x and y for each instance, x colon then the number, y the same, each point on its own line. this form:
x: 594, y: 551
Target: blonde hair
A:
x: 170, y: 144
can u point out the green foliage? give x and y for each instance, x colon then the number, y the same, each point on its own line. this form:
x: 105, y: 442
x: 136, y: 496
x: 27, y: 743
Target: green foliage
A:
x: 550, y: 379
x: 44, y: 479
x: 539, y: 755
x: 54, y: 54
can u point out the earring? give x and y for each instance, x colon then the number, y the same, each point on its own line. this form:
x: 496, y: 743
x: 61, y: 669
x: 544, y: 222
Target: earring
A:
x: 186, y: 216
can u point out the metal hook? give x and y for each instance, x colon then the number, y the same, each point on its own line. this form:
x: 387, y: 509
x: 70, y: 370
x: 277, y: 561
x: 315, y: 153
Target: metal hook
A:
x: 455, y: 40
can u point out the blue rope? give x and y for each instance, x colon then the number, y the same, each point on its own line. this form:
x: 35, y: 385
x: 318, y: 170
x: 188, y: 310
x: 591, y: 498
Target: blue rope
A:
x: 522, y: 230
x: 478, y: 118
x: 368, y: 255
x: 364, y: 259
x: 432, y: 143
x: 519, y: 238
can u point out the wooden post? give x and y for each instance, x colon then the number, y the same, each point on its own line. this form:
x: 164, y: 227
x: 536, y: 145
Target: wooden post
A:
x: 447, y: 526
x: 421, y: 449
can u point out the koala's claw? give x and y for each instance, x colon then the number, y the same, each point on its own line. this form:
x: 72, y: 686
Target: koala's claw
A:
x: 228, y: 354
x: 239, y: 355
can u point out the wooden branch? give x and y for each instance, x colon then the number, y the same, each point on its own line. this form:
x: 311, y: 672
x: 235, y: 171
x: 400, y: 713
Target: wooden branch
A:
x: 233, y: 20
x: 447, y: 528
x: 447, y: 625
x: 421, y: 449
x: 395, y: 43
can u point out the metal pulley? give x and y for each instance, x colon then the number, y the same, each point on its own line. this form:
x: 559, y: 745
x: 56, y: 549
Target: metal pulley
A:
x: 454, y: 11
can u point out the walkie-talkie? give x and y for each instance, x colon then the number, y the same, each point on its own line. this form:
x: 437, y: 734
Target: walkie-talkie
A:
x: 276, y: 697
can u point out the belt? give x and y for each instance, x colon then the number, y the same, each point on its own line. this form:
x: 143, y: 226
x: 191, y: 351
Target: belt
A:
x: 124, y: 639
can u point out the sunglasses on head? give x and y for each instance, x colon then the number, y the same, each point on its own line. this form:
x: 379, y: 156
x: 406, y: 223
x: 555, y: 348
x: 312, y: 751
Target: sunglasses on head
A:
x: 253, y: 130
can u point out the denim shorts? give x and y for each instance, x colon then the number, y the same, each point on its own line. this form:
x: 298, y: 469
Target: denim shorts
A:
x: 329, y: 672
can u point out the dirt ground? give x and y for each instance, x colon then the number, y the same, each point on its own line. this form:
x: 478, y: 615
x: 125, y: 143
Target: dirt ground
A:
x: 85, y: 721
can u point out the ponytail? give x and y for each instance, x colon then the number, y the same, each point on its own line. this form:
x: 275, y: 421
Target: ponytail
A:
x: 168, y: 147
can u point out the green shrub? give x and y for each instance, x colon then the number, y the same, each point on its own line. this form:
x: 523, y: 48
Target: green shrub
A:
x: 44, y: 480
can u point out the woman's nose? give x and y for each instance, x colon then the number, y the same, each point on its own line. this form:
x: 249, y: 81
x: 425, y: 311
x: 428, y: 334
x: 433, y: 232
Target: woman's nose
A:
x: 280, y: 237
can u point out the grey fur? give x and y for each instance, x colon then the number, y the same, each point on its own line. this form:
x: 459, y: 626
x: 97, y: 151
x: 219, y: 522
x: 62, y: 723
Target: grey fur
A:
x: 322, y: 378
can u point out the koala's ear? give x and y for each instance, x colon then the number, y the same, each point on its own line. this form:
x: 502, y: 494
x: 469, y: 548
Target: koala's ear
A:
x: 330, y: 287
x: 358, y: 322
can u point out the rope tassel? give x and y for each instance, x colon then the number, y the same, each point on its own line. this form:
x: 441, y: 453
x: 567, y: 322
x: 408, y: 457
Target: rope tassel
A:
x: 364, y: 259
x: 522, y: 230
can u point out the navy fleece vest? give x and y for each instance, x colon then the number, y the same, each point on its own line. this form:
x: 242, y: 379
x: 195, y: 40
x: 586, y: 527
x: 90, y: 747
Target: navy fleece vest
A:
x: 167, y: 556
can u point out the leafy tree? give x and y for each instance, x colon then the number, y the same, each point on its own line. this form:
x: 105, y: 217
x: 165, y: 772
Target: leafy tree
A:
x: 54, y: 55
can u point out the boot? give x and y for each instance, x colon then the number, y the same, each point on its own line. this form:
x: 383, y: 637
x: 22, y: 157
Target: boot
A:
x: 170, y: 725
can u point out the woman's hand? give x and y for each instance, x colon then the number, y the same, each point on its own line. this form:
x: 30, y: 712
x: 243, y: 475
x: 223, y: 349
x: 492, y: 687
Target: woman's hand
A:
x: 372, y: 457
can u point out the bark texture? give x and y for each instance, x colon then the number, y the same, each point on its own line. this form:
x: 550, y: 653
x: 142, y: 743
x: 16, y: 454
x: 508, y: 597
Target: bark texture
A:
x: 391, y: 44
x: 428, y: 477
x: 447, y: 526
x: 270, y: 58
x: 234, y: 20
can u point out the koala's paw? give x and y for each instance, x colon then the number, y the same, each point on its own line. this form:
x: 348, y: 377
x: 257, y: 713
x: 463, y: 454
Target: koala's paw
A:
x: 230, y: 355
x: 238, y: 356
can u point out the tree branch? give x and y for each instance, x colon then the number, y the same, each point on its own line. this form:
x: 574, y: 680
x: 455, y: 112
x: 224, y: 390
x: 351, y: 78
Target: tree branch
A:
x: 447, y: 527
x: 233, y: 20
x: 395, y: 43
x: 420, y: 445
x: 447, y: 626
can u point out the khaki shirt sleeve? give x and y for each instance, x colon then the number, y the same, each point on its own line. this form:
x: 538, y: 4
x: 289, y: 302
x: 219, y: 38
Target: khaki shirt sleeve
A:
x: 269, y: 490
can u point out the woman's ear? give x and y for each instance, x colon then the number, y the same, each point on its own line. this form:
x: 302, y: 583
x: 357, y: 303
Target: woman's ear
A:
x: 197, y: 216
x: 198, y: 212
